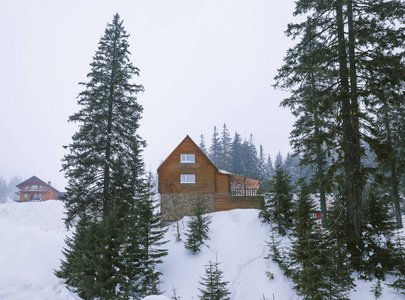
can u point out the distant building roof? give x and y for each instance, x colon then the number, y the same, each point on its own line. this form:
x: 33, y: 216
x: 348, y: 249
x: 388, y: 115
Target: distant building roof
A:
x: 34, y: 180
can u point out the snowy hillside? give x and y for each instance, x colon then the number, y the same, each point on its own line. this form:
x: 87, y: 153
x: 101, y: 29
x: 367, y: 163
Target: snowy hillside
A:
x: 32, y: 236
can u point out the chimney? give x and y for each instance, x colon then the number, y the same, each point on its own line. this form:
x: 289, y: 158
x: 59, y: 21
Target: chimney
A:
x: 49, y: 183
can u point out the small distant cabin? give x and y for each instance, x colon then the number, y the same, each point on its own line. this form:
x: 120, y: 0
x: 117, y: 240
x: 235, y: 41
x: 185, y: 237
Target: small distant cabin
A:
x: 188, y: 175
x: 317, y: 214
x: 34, y: 189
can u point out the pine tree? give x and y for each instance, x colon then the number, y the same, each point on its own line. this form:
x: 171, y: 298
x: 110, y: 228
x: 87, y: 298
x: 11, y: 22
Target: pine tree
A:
x: 317, y: 263
x: 215, y: 149
x: 355, y: 44
x: 105, y: 175
x: 150, y: 234
x: 377, y: 237
x: 197, y: 228
x: 279, y: 200
x: 214, y: 288
x: 237, y: 155
x: 202, y: 145
x: 399, y: 263
x: 304, y: 254
x: 226, y: 143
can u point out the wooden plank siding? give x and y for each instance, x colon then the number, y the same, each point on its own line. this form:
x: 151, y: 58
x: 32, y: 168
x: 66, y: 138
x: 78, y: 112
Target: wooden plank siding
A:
x: 221, y: 191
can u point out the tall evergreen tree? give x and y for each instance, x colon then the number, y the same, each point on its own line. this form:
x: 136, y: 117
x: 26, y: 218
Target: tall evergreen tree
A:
x: 108, y: 119
x: 106, y: 194
x: 355, y: 42
x: 202, y: 145
x: 226, y: 143
x: 237, y: 155
x: 215, y: 148
x: 214, y: 288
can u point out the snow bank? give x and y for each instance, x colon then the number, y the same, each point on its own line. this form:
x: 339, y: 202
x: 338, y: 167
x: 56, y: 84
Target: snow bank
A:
x: 237, y: 240
x: 32, y: 237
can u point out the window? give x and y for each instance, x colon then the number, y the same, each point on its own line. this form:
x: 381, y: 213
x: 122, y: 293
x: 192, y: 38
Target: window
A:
x: 187, y: 178
x: 187, y: 158
x: 25, y: 196
x: 34, y: 187
x: 312, y: 215
x: 40, y: 187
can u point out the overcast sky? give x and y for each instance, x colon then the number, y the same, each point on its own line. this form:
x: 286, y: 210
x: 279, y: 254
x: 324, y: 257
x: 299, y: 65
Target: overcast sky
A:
x: 203, y: 63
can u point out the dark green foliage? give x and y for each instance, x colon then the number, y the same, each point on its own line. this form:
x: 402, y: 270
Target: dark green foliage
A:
x: 214, y: 288
x: 107, y: 137
x: 93, y: 260
x: 117, y: 244
x: 197, y: 228
x: 278, y: 206
x: 304, y: 255
x: 316, y: 262
x: 347, y: 53
x: 146, y: 239
x: 399, y: 263
x: 377, y: 237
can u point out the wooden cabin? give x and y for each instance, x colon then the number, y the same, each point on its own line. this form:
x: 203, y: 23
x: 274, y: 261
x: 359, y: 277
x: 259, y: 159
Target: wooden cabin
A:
x: 188, y: 175
x: 34, y: 189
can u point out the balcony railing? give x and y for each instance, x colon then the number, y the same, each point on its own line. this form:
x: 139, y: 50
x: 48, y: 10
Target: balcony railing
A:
x: 245, y: 192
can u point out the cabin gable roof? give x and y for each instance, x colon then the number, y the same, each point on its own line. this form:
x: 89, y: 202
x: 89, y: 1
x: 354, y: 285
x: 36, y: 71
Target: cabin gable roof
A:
x: 187, y: 139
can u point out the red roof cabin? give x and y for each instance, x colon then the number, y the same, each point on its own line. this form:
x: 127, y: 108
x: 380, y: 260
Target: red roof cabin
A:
x: 188, y: 175
x: 34, y: 189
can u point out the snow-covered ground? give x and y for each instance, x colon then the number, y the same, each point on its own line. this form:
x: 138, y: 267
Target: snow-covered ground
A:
x: 32, y: 236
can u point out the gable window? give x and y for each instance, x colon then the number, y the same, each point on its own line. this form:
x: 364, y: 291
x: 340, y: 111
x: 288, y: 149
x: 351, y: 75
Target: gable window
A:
x: 34, y: 187
x: 187, y: 178
x: 187, y: 158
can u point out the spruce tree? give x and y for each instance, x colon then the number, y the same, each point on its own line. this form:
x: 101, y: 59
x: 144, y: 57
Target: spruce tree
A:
x: 150, y: 233
x: 377, y: 237
x: 215, y: 149
x: 304, y: 254
x: 197, y: 228
x: 226, y: 143
x: 237, y: 155
x: 214, y: 288
x: 399, y: 263
x: 348, y: 46
x: 106, y: 190
x: 279, y: 200
x: 202, y: 145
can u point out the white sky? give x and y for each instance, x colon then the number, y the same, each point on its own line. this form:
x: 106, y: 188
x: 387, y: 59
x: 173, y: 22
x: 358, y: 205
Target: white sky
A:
x: 203, y: 63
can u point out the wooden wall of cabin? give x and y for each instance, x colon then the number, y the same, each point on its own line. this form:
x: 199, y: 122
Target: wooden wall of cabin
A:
x: 172, y: 168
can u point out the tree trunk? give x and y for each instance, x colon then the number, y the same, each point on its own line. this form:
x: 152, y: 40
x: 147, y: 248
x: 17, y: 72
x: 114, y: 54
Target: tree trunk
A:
x: 352, y: 188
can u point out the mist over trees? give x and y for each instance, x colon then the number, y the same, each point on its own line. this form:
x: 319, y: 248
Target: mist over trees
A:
x: 8, y: 189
